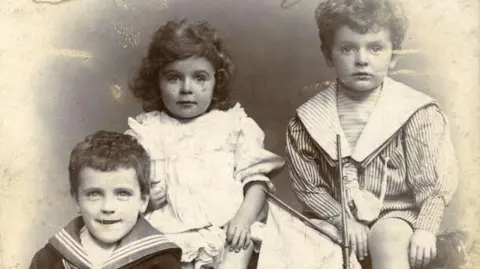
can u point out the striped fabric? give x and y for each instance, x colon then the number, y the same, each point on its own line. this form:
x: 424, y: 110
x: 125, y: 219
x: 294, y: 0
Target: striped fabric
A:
x: 421, y: 173
x: 354, y: 113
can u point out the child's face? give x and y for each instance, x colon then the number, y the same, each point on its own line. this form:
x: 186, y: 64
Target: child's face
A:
x: 361, y: 61
x: 109, y: 202
x: 187, y: 87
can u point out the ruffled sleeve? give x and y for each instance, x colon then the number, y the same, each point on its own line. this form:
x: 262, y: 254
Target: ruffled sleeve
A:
x: 141, y: 128
x: 252, y: 161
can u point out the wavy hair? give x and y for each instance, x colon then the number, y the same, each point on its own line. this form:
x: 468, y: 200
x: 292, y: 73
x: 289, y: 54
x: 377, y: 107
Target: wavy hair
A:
x: 178, y: 40
x: 361, y: 16
x: 109, y: 151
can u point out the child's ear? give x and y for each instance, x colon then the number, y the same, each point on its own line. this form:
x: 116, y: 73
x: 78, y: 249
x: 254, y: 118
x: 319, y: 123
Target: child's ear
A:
x: 393, y: 62
x: 328, y: 56
x: 77, y: 205
x: 144, y: 205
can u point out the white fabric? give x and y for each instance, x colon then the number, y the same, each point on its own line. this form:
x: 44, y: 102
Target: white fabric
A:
x: 289, y: 243
x: 97, y: 254
x: 204, y: 165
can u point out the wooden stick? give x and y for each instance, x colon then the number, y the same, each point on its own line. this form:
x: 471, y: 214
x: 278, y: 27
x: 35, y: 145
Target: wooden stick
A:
x: 304, y: 219
x: 345, y: 245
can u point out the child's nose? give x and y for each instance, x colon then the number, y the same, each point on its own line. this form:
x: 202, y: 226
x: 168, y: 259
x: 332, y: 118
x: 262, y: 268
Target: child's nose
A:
x: 362, y: 58
x: 186, y: 86
x: 108, y: 206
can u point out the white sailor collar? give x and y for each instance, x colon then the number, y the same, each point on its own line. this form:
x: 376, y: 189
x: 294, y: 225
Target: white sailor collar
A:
x: 396, y: 104
x: 142, y: 241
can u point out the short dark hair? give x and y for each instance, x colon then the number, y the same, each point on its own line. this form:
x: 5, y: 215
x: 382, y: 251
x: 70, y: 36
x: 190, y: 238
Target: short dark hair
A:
x: 361, y: 16
x: 179, y: 40
x: 108, y: 151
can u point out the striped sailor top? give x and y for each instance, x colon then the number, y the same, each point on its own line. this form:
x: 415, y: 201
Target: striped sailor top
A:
x: 406, y: 127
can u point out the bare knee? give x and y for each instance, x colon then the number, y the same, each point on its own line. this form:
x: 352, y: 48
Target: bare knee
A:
x: 388, y: 243
x: 390, y: 231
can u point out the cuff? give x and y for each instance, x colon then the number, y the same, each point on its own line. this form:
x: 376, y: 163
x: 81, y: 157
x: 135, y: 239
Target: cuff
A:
x: 259, y: 178
x: 431, y: 214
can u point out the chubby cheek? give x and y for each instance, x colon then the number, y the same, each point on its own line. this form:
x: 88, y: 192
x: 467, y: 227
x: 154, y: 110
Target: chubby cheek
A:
x: 343, y: 66
x: 169, y: 94
x: 89, y: 208
x: 207, y: 90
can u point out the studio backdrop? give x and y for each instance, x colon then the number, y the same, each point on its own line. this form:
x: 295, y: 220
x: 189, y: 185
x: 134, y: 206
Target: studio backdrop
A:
x: 65, y: 68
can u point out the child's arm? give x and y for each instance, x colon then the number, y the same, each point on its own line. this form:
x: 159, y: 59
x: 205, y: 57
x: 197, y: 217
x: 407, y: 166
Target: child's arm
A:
x: 238, y: 234
x: 432, y: 175
x: 307, y: 184
x: 252, y: 163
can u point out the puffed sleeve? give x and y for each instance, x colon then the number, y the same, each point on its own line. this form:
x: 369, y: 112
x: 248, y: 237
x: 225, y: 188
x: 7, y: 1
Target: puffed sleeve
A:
x: 252, y: 161
x: 141, y: 128
x: 432, y: 165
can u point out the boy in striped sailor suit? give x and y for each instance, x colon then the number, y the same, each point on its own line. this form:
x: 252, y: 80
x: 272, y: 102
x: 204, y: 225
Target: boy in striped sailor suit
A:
x: 399, y: 164
x: 109, y: 180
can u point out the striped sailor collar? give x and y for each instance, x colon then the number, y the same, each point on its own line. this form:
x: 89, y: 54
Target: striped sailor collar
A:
x: 141, y: 242
x: 396, y: 104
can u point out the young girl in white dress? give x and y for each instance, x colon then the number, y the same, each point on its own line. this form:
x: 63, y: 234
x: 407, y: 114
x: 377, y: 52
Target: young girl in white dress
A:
x: 209, y: 166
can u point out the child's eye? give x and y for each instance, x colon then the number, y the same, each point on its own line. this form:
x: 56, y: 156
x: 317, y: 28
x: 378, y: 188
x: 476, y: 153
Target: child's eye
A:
x: 200, y: 78
x: 376, y: 49
x: 346, y: 49
x: 93, y: 195
x: 173, y: 78
x: 124, y: 193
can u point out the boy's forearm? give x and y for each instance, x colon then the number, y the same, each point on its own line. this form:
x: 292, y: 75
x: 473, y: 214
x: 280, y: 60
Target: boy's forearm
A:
x: 319, y: 202
x: 253, y: 202
x: 431, y: 214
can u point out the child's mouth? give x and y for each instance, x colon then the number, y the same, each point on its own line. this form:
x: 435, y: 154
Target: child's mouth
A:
x: 186, y: 102
x: 362, y: 75
x: 107, y: 222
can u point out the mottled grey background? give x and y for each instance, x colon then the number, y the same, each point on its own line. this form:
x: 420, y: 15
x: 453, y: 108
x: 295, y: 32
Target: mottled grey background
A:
x: 65, y: 70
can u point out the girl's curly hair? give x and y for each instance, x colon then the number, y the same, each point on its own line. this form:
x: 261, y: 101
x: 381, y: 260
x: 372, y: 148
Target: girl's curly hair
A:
x: 178, y: 40
x: 361, y: 16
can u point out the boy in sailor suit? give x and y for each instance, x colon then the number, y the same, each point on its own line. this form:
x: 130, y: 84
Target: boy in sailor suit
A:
x: 398, y: 159
x: 109, y: 180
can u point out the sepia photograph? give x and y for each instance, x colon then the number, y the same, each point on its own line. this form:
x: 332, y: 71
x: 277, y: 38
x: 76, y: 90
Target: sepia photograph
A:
x: 251, y: 134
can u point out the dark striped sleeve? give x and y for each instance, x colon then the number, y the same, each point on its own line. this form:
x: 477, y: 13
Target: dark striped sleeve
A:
x: 307, y: 184
x: 432, y: 165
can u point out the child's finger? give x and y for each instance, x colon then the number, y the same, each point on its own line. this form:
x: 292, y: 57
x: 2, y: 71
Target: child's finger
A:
x: 241, y: 240
x: 433, y: 252
x: 365, y: 244
x: 412, y: 255
x: 419, y: 257
x: 359, y: 240
x: 248, y: 240
x: 230, y: 234
x: 235, y: 238
x: 426, y: 257
x: 353, y: 244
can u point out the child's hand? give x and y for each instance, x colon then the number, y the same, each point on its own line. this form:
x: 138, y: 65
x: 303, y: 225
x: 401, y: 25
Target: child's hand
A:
x: 357, y: 236
x: 238, y: 233
x: 423, y: 248
x: 158, y: 196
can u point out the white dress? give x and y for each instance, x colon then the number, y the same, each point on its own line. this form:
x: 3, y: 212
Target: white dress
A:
x: 204, y: 165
